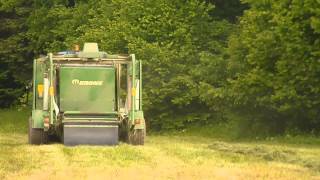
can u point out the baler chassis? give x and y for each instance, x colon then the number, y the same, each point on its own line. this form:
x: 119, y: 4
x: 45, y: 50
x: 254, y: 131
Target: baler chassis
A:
x: 87, y: 98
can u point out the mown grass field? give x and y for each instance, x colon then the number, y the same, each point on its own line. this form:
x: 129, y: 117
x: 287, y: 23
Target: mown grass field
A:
x: 174, y: 156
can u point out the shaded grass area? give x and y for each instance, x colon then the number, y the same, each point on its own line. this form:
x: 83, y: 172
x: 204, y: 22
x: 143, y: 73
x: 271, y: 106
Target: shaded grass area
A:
x: 180, y: 155
x: 14, y: 120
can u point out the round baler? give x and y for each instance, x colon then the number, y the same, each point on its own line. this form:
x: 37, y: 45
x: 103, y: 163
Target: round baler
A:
x: 87, y: 97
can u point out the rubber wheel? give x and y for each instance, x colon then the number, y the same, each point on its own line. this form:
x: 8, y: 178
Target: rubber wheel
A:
x: 124, y: 131
x: 36, y: 136
x: 137, y: 136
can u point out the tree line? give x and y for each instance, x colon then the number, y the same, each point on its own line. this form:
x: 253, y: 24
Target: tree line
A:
x: 253, y: 64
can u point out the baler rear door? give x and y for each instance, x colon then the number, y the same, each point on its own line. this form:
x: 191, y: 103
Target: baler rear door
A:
x: 88, y: 101
x: 88, y: 90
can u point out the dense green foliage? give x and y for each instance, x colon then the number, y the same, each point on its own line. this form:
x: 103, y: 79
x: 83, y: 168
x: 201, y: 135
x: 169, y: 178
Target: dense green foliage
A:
x: 229, y: 10
x: 275, y: 57
x: 205, y: 61
x: 170, y: 37
x: 15, y: 51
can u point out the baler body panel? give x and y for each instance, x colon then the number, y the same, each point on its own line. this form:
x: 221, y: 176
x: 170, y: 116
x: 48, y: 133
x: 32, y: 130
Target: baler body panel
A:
x: 87, y: 89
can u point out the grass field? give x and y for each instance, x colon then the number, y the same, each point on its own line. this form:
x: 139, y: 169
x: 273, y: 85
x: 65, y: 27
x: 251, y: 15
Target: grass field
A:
x: 174, y: 156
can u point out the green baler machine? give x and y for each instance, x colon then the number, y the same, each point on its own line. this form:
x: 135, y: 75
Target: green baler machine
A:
x: 87, y: 97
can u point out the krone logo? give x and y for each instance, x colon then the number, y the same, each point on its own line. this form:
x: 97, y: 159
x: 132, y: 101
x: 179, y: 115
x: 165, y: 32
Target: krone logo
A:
x: 86, y: 83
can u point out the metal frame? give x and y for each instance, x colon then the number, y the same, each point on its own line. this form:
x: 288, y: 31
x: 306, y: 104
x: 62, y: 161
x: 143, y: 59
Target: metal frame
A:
x: 80, y: 119
x: 129, y: 60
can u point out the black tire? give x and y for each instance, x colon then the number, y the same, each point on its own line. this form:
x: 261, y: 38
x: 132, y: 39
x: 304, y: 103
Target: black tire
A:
x: 123, y: 131
x: 137, y: 136
x: 36, y: 136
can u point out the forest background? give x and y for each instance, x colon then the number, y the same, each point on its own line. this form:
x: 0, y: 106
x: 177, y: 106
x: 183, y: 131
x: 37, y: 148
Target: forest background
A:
x: 250, y: 66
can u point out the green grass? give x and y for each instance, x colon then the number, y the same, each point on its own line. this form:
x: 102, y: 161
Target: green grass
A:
x: 14, y: 121
x: 191, y: 154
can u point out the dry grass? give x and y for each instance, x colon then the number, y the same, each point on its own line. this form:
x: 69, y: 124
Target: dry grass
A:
x: 163, y: 157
